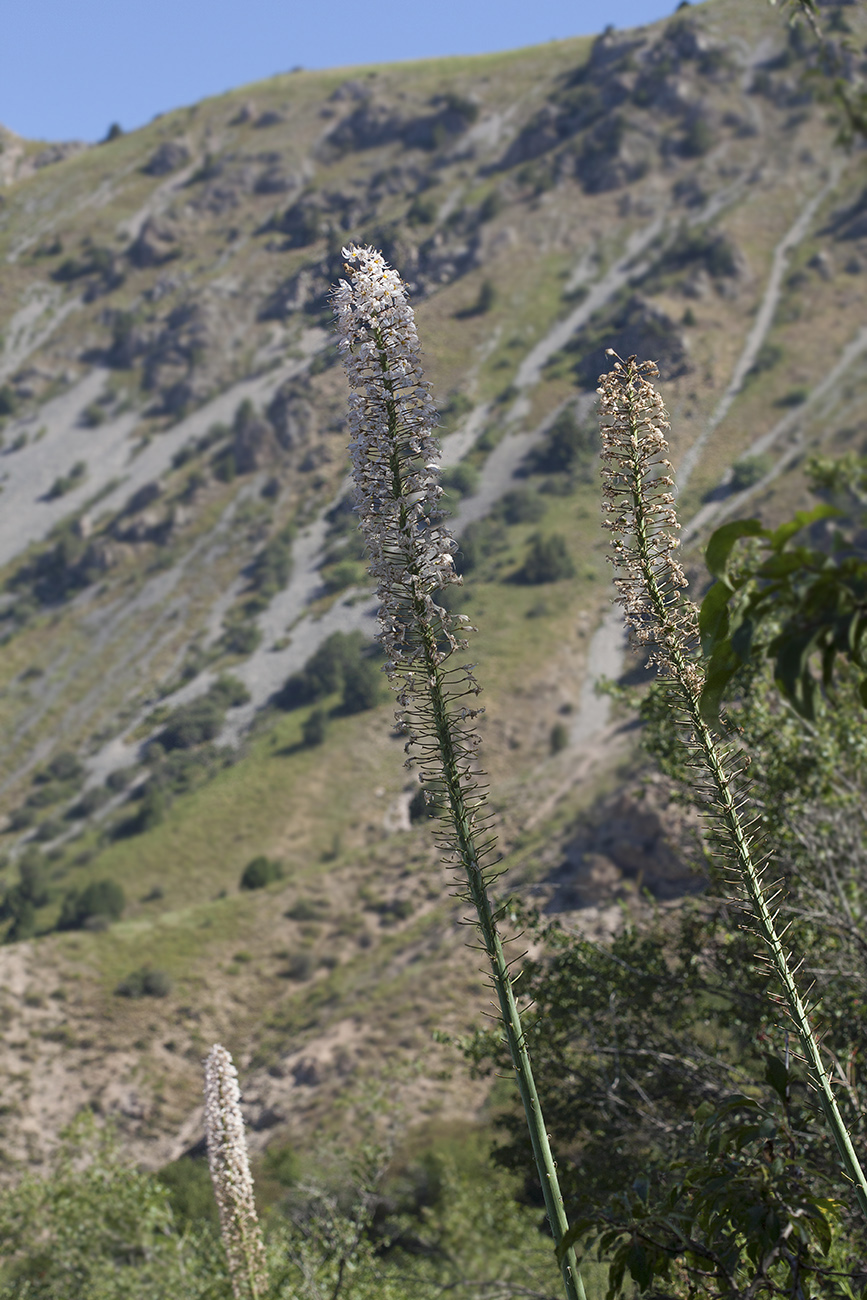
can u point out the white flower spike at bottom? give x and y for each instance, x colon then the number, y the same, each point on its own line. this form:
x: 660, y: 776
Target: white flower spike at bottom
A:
x: 230, y: 1175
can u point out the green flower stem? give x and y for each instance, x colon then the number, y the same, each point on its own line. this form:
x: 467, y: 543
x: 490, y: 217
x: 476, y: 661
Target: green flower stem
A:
x: 465, y: 843
x: 739, y: 839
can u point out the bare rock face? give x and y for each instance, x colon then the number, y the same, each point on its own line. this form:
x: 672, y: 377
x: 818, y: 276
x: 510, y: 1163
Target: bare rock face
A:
x: 639, y: 327
x: 648, y: 842
x: 156, y: 244
x: 253, y: 444
x: 291, y: 415
x: 168, y: 157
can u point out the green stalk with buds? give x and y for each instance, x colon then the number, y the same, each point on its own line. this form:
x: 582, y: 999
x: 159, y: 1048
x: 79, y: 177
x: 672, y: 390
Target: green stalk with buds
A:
x: 639, y: 506
x: 396, y: 472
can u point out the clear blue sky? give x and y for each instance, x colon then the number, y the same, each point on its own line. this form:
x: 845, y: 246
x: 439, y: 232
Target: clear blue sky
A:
x: 68, y: 68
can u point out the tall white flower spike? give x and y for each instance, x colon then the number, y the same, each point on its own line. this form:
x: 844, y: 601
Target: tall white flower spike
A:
x: 230, y: 1175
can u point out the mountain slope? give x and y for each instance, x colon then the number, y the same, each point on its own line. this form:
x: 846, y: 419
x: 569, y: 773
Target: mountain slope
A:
x: 175, y: 509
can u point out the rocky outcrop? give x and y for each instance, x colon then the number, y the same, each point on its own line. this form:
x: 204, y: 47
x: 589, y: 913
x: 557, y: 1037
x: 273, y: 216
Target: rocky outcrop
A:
x: 375, y: 123
x: 291, y: 414
x: 156, y: 243
x: 168, y: 157
x: 639, y: 327
x: 645, y: 842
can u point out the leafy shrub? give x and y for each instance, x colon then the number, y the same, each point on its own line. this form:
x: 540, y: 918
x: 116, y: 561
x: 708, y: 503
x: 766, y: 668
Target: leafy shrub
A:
x: 50, y: 829
x: 457, y: 406
x: 305, y: 910
x: 477, y: 543
x: 68, y: 482
x: 768, y: 356
x: 300, y: 967
x: 272, y: 567
x: 750, y: 470
x: 191, y: 1193
x: 241, y: 638
x: 145, y: 983
x: 32, y: 872
x: 314, y: 728
x: 201, y: 719
x: 324, y: 672
x: 346, y: 573
x: 421, y: 212
x: 260, y: 872
x: 520, y: 506
x: 65, y: 766
x: 100, y: 899
x: 90, y: 802
x: 559, y: 737
x: 119, y: 779
x: 568, y: 444
x: 362, y: 686
x: 8, y: 401
x: 547, y: 560
x: 151, y: 813
x: 460, y: 480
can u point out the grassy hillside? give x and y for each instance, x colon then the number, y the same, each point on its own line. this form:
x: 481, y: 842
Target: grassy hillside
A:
x: 176, y: 542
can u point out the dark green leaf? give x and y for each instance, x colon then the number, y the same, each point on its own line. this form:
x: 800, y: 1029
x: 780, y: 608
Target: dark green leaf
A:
x: 721, y: 543
x: 713, y: 618
x: 777, y: 1075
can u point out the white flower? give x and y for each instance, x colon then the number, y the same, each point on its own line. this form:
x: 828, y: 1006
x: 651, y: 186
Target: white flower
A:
x: 230, y: 1175
x: 395, y: 460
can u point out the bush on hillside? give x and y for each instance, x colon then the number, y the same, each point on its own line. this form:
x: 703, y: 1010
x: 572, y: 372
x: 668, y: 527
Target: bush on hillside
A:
x: 314, y: 728
x: 102, y: 901
x: 568, y: 445
x: 260, y: 872
x: 520, y: 506
x: 202, y: 719
x: 145, y: 983
x: 478, y: 542
x: 325, y: 671
x: 362, y: 686
x: 547, y: 560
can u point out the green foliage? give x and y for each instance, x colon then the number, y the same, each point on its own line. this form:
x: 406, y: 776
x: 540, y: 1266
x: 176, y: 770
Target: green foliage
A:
x: 743, y: 1216
x: 68, y: 482
x: 636, y: 1037
x: 338, y: 665
x: 260, y: 872
x: 479, y: 542
x: 547, y: 560
x: 749, y: 470
x: 19, y: 903
x: 785, y: 602
x: 315, y: 727
x: 569, y: 445
x: 191, y: 1194
x: 145, y: 983
x: 457, y: 406
x: 362, y: 686
x: 102, y: 900
x: 202, y: 718
x: 559, y: 737
x: 520, y: 506
x: 461, y: 480
x: 97, y: 1229
x: 272, y: 567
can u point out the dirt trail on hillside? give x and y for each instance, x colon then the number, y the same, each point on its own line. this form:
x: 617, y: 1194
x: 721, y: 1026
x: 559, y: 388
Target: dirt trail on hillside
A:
x: 33, y: 324
x: 762, y: 324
